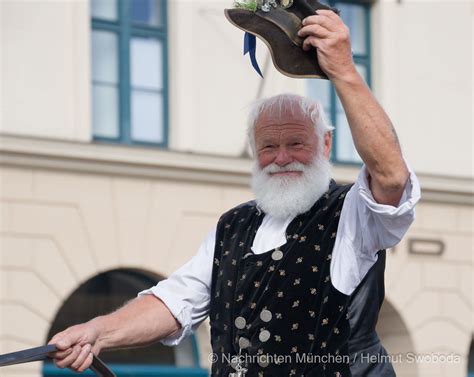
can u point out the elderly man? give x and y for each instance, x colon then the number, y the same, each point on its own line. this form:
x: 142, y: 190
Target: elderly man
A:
x: 298, y: 272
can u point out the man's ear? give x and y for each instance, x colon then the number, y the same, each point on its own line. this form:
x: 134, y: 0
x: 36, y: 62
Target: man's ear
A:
x: 327, y: 144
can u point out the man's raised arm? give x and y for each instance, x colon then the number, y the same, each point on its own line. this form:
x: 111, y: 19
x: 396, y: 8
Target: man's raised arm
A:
x: 143, y: 320
x: 373, y: 133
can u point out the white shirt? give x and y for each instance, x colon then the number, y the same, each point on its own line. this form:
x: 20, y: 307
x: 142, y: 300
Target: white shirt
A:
x: 365, y: 227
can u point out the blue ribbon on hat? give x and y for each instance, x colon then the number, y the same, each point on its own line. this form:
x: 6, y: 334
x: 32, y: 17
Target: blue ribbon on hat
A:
x: 250, y: 46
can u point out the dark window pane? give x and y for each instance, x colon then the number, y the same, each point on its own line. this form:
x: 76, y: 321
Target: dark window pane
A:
x: 354, y: 17
x: 320, y: 90
x: 147, y: 12
x: 345, y: 150
x: 104, y: 9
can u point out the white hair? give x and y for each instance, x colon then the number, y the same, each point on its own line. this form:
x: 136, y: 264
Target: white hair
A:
x: 296, y: 105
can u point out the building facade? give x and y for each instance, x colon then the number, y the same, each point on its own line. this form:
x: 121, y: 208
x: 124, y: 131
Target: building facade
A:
x: 89, y: 186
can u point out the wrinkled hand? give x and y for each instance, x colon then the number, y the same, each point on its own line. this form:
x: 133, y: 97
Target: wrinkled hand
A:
x: 327, y: 32
x: 77, y: 346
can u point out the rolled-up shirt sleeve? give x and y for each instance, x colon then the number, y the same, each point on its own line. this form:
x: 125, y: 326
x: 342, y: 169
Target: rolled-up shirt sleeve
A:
x: 186, y: 292
x: 384, y: 225
x: 365, y: 227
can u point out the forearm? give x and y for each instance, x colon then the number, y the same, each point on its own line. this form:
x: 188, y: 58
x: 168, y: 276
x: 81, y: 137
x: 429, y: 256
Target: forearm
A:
x: 141, y: 321
x: 374, y: 138
x: 373, y: 133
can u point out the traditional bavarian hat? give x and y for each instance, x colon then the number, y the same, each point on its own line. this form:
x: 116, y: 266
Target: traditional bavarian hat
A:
x: 277, y: 23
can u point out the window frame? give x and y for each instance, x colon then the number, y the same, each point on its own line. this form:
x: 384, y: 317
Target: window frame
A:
x: 360, y: 59
x: 124, y: 29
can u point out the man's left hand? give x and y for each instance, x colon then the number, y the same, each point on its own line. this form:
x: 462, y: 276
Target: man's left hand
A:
x: 330, y: 36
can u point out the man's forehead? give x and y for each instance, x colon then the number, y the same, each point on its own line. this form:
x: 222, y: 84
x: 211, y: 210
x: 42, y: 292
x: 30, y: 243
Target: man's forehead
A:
x: 283, y: 117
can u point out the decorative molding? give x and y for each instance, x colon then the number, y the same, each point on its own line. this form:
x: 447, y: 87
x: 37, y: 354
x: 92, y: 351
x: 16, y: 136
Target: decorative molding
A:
x: 140, y: 162
x: 430, y: 247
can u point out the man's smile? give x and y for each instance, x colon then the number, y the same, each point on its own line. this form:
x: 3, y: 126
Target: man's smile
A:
x: 287, y: 173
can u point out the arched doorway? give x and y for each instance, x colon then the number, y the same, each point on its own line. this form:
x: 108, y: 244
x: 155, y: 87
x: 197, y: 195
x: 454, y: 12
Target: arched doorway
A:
x: 470, y: 363
x: 396, y: 339
x: 106, y: 292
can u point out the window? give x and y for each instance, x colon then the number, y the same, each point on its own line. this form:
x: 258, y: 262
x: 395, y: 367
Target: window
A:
x: 356, y: 15
x: 129, y: 71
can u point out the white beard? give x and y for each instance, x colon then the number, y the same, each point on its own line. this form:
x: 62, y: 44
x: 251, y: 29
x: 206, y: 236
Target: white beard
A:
x: 285, y: 196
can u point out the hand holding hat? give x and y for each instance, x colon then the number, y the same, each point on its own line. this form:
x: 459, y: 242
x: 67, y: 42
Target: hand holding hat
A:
x: 326, y: 32
x: 277, y: 23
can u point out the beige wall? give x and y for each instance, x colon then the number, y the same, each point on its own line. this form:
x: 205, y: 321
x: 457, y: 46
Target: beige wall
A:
x: 434, y: 294
x: 44, y: 76
x: 422, y: 76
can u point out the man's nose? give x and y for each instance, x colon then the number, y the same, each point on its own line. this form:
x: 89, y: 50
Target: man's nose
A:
x: 283, y: 157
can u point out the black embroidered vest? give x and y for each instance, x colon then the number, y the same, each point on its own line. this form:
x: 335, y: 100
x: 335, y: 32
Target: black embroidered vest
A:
x: 279, y: 310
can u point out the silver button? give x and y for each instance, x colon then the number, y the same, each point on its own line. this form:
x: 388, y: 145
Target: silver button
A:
x: 240, y: 322
x: 264, y: 335
x: 263, y: 361
x: 234, y: 362
x: 266, y: 315
x: 244, y: 343
x: 277, y: 254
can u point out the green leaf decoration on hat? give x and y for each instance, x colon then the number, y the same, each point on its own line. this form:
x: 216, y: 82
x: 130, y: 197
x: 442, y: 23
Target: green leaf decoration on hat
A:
x: 250, y: 5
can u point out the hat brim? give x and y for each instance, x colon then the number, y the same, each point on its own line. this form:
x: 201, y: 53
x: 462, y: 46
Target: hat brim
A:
x: 289, y: 59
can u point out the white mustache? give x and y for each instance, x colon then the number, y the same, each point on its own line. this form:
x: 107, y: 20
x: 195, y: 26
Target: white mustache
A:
x: 284, y: 196
x: 292, y: 167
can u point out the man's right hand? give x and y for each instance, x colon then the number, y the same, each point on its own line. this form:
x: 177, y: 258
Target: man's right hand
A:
x: 77, y: 346
x: 142, y: 321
